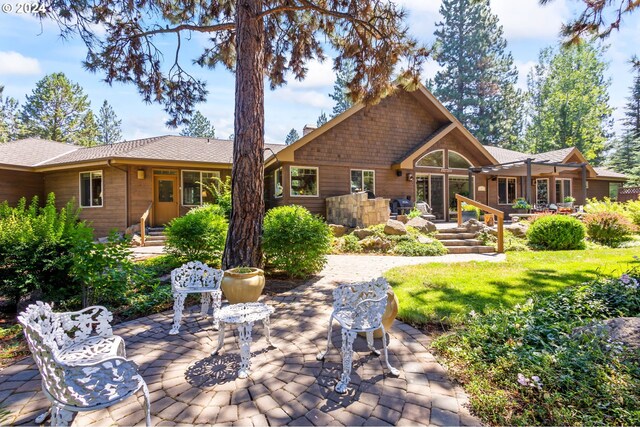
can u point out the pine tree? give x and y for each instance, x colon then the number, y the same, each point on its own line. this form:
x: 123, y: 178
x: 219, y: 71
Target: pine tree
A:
x: 199, y: 126
x: 9, y: 120
x: 477, y: 80
x: 292, y: 137
x: 341, y: 89
x: 322, y: 119
x: 58, y: 109
x: 569, y: 101
x: 109, y: 130
x: 626, y: 154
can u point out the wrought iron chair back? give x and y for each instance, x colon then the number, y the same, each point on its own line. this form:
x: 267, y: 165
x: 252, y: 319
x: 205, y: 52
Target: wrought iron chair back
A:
x: 196, y: 274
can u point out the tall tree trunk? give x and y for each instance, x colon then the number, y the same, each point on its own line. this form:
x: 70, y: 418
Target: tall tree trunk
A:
x: 247, y: 177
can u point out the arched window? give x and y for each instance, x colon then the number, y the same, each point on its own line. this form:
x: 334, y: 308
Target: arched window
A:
x: 458, y: 161
x: 433, y: 159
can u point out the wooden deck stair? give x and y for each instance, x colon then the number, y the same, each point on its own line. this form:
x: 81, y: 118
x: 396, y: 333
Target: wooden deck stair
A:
x: 459, y: 240
x: 155, y: 236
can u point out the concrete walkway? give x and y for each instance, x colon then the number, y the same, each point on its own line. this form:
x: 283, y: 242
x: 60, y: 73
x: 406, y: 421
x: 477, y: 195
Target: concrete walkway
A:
x: 287, y: 385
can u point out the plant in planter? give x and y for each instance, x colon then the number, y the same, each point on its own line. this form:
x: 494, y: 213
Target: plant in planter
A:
x: 242, y: 284
x: 521, y: 206
x: 568, y: 201
x: 469, y: 212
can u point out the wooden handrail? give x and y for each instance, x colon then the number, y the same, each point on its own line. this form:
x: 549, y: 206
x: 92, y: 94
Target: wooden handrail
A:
x: 499, y: 214
x: 143, y: 219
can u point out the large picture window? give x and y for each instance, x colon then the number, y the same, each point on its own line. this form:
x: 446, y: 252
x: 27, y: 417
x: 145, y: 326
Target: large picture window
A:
x: 457, y: 161
x: 277, y: 183
x: 563, y: 189
x: 507, y: 193
x: 194, y: 191
x: 304, y: 181
x: 91, y: 189
x: 363, y: 180
x: 542, y: 191
x: 434, y: 159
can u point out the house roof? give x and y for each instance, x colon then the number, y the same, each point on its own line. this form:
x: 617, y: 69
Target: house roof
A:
x: 502, y: 155
x: 607, y: 173
x: 31, y: 152
x: 172, y: 148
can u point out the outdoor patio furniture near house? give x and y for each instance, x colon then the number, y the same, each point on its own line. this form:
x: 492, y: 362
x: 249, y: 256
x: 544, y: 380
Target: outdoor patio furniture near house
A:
x: 193, y: 278
x: 358, y: 307
x: 244, y: 315
x: 425, y: 211
x: 82, y: 364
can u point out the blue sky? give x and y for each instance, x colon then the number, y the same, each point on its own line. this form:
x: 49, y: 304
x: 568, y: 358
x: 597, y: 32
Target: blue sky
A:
x: 29, y: 51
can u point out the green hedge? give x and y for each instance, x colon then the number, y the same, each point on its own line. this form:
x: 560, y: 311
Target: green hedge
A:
x: 557, y: 232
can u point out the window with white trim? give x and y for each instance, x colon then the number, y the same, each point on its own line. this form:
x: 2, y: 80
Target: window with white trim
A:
x: 304, y: 181
x: 363, y: 180
x: 457, y: 161
x: 91, y: 189
x: 277, y: 183
x: 507, y: 192
x: 614, y: 188
x: 433, y: 159
x: 563, y: 189
x: 194, y: 187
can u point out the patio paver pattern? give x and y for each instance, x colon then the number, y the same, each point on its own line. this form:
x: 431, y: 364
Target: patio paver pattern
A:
x: 287, y: 385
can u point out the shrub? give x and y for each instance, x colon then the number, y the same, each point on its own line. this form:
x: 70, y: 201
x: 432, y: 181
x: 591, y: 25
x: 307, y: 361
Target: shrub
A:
x: 530, y: 365
x: 605, y: 205
x: 633, y: 210
x: 36, y: 249
x: 521, y: 203
x: 221, y: 192
x: 295, y: 241
x: 415, y: 248
x: 557, y: 232
x: 160, y: 265
x: 414, y: 213
x: 608, y: 228
x: 199, y: 235
x: 350, y: 244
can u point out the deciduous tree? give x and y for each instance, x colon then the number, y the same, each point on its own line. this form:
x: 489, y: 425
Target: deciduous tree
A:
x: 109, y: 130
x: 199, y: 126
x: 477, y: 79
x: 255, y: 39
x: 569, y: 101
x: 59, y: 110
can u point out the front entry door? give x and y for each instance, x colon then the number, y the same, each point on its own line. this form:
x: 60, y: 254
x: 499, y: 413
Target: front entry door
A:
x: 430, y: 189
x: 165, y: 205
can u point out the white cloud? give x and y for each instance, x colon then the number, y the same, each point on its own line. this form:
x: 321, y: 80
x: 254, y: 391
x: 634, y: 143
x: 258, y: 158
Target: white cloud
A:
x: 14, y: 63
x: 523, y: 70
x: 529, y: 20
x: 421, y: 6
x: 311, y: 98
x: 319, y: 75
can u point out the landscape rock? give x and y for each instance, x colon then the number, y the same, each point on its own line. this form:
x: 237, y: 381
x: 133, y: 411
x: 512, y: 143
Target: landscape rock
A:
x: 338, y: 230
x: 424, y: 239
x: 136, y: 240
x: 519, y: 229
x: 132, y: 229
x: 473, y: 225
x: 395, y: 228
x: 422, y: 225
x: 375, y: 243
x: 103, y: 239
x: 403, y: 218
x: 362, y: 233
x: 625, y: 330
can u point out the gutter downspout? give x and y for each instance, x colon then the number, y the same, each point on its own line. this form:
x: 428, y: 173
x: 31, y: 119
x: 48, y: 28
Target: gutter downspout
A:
x: 126, y: 192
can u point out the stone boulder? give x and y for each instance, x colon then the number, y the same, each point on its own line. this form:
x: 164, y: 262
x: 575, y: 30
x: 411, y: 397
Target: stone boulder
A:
x: 363, y: 233
x: 403, y: 218
x: 133, y: 229
x: 621, y: 329
x: 395, y: 228
x: 422, y: 225
x: 424, y: 239
x: 473, y: 226
x: 375, y: 243
x: 518, y: 229
x: 338, y: 230
x: 136, y: 240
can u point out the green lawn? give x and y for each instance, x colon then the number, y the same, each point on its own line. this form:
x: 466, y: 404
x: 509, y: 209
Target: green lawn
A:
x: 444, y: 293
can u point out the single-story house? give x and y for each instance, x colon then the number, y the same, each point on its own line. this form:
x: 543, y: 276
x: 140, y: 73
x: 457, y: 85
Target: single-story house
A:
x: 406, y: 146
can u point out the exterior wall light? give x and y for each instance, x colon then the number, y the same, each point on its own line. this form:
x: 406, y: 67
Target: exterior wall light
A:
x: 140, y: 173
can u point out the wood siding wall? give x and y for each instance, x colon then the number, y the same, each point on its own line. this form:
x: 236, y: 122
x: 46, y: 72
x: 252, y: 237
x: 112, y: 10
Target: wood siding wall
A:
x: 17, y: 184
x: 66, y: 186
x: 599, y: 188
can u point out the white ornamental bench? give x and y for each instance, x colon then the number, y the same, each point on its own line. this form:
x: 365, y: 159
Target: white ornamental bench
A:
x: 358, y: 307
x: 82, y: 364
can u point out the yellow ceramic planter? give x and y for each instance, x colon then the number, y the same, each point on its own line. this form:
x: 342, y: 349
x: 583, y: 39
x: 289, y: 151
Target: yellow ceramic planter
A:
x: 242, y: 287
x: 389, y: 315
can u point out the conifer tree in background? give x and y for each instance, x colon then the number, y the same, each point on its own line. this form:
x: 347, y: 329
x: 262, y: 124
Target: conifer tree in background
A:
x: 322, y: 119
x: 477, y: 79
x: 109, y: 130
x: 9, y: 120
x: 626, y: 150
x: 58, y: 109
x: 568, y: 101
x: 341, y: 89
x: 292, y: 137
x: 199, y: 126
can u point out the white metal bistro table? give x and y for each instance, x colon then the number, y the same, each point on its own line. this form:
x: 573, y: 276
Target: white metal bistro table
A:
x: 244, y: 315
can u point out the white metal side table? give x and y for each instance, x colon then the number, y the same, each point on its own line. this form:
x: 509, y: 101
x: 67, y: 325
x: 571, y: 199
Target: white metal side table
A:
x: 244, y: 315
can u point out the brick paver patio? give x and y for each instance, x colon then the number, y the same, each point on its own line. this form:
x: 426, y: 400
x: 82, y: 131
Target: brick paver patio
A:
x: 287, y: 385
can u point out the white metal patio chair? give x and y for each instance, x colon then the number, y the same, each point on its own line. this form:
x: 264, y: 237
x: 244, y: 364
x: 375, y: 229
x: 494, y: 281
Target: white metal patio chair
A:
x: 425, y: 211
x: 193, y: 278
x: 82, y: 364
x: 358, y: 307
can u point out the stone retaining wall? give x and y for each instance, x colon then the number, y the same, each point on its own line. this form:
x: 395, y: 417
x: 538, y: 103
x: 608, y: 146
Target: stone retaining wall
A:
x: 357, y: 210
